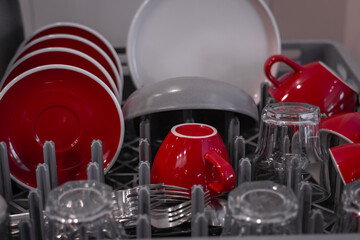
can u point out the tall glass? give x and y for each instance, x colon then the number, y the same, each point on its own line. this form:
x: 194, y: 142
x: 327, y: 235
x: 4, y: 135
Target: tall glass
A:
x: 263, y: 208
x: 81, y: 207
x: 289, y: 130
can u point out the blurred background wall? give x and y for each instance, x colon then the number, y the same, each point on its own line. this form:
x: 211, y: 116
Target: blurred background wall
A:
x: 297, y: 19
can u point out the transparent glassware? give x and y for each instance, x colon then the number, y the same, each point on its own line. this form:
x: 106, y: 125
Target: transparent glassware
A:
x: 289, y: 130
x: 263, y: 208
x: 349, y: 210
x: 4, y: 220
x: 80, y: 208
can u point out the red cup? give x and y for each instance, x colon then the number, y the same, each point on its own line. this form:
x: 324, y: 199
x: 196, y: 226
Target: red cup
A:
x: 346, y: 161
x: 345, y: 127
x: 313, y: 83
x: 194, y: 153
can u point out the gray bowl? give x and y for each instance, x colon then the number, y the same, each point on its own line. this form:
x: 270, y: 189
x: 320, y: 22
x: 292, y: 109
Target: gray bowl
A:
x: 189, y: 93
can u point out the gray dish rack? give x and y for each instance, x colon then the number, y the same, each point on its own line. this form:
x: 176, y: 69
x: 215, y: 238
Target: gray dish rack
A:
x: 125, y: 172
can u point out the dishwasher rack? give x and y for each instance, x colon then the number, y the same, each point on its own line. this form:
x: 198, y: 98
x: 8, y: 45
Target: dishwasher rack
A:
x: 125, y: 172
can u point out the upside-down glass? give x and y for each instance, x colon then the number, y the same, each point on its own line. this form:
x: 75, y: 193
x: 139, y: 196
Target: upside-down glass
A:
x: 349, y: 212
x: 263, y: 208
x: 79, y: 205
x: 290, y: 129
x: 4, y: 220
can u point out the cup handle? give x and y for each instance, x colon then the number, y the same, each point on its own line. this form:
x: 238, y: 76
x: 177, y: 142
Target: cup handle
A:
x: 227, y: 173
x: 279, y: 58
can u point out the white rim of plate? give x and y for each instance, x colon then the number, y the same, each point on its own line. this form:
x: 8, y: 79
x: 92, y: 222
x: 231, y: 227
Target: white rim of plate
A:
x: 133, y: 29
x: 83, y: 27
x: 67, y: 50
x: 91, y: 76
x: 20, y: 50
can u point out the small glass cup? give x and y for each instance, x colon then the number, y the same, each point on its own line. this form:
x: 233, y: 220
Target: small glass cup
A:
x: 349, y: 211
x: 4, y: 220
x: 288, y: 130
x: 81, y: 207
x: 263, y: 208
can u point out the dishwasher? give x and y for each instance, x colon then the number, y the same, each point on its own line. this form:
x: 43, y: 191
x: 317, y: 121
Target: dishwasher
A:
x: 143, y: 137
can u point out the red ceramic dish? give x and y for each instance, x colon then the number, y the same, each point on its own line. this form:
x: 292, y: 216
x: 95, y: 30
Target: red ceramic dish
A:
x: 64, y: 104
x: 57, y: 55
x: 346, y: 126
x: 73, y: 42
x: 80, y: 31
x: 313, y: 83
x: 346, y: 161
x: 191, y: 154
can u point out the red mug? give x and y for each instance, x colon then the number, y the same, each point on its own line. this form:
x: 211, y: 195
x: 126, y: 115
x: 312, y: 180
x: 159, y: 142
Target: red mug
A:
x: 313, y: 83
x: 194, y: 153
x: 344, y: 126
x: 346, y: 161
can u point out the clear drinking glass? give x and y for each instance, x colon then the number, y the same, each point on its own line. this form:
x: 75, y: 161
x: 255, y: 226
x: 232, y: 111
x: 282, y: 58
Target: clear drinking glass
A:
x: 81, y: 207
x: 349, y: 211
x: 263, y: 208
x: 4, y: 220
x: 288, y: 131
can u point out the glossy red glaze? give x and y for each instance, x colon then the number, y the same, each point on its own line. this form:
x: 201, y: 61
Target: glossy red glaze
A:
x: 63, y: 104
x: 68, y: 42
x: 77, y: 31
x: 59, y: 56
x: 313, y: 83
x: 344, y: 125
x: 194, y: 154
x: 346, y: 161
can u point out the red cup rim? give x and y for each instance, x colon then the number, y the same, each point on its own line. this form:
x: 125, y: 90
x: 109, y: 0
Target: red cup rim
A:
x: 201, y: 136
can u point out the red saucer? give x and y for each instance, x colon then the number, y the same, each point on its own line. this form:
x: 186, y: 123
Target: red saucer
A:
x: 73, y: 42
x: 58, y: 55
x: 64, y: 104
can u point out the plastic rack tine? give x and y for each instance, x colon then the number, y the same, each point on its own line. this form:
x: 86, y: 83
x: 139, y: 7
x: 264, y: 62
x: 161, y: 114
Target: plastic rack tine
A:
x: 197, y: 200
x: 199, y: 227
x: 144, y: 150
x: 244, y: 173
x: 97, y: 156
x: 43, y: 181
x: 238, y: 153
x: 143, y: 227
x: 50, y: 160
x: 145, y: 128
x: 144, y: 200
x: 188, y: 116
x: 83, y: 233
x: 305, y: 198
x: 233, y: 132
x: 26, y: 231
x: 144, y: 173
x: 293, y: 176
x: 93, y: 172
x: 263, y: 95
x: 5, y: 181
x: 36, y: 214
x: 316, y: 222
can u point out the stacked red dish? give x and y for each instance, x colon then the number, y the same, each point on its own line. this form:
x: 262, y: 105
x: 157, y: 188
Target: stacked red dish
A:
x: 64, y: 85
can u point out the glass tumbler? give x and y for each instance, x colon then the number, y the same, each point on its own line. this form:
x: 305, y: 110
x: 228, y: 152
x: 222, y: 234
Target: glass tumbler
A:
x: 4, y: 220
x: 349, y: 211
x: 263, y: 208
x: 288, y: 131
x: 81, y: 208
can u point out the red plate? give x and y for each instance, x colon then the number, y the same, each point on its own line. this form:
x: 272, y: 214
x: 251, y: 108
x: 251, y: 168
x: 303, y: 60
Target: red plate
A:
x: 59, y: 55
x: 73, y: 42
x: 81, y: 31
x: 64, y: 104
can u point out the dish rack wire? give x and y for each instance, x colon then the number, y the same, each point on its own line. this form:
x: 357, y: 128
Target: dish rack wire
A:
x: 138, y: 146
